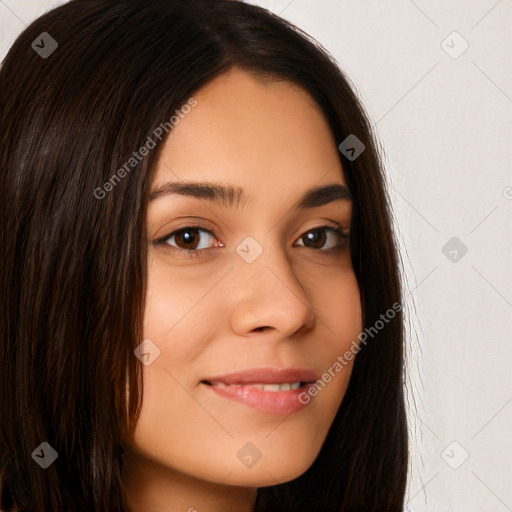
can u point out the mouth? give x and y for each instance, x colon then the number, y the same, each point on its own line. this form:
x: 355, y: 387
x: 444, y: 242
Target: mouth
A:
x: 272, y: 387
x: 275, y: 391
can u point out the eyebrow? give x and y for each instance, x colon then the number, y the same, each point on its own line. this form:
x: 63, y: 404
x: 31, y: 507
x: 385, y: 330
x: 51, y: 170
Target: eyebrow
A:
x: 229, y: 194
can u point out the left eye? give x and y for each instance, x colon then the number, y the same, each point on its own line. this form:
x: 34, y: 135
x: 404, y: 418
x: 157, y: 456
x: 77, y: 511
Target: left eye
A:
x: 317, y: 237
x: 187, y: 239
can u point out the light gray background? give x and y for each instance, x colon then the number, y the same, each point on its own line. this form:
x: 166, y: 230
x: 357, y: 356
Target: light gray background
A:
x: 445, y: 122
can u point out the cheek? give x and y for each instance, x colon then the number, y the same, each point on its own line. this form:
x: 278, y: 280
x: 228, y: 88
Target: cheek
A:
x: 176, y: 298
x: 345, y: 309
x: 166, y: 299
x: 342, y: 315
x: 337, y: 303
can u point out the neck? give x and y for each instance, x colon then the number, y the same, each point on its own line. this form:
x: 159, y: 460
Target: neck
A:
x: 151, y: 487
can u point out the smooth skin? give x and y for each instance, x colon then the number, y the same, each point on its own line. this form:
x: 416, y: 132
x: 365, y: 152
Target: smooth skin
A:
x: 295, y: 305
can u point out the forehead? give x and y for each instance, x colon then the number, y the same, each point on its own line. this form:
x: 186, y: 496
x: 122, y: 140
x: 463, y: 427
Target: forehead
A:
x: 255, y: 132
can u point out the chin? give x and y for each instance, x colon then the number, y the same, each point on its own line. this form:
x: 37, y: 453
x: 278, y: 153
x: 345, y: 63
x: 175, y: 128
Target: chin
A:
x: 265, y: 476
x: 280, y: 467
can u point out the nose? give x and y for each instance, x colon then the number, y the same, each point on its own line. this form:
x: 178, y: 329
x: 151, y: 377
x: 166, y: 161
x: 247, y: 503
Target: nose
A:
x: 269, y: 297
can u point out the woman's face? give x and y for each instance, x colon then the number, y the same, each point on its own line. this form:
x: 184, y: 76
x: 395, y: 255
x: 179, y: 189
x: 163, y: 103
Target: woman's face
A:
x: 245, y: 294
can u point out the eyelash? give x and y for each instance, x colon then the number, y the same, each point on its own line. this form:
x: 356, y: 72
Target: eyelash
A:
x: 195, y: 253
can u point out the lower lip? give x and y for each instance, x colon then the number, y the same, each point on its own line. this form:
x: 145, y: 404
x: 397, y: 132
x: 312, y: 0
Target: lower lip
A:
x: 270, y: 402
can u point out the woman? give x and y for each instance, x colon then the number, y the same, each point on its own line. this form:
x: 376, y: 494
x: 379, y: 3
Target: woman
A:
x: 202, y: 305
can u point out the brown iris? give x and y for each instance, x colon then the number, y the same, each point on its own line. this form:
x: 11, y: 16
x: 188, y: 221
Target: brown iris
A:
x: 316, y: 237
x: 187, y: 235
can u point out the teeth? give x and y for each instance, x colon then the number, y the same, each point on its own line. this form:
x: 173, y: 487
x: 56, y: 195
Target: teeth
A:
x: 285, y: 386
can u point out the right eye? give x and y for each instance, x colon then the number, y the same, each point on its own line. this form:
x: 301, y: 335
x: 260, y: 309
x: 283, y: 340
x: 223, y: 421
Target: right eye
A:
x: 188, y: 240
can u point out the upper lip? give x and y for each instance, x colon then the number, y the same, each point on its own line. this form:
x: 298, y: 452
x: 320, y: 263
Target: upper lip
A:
x: 265, y: 375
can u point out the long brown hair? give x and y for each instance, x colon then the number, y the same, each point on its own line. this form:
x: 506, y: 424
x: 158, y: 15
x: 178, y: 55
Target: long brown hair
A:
x: 73, y: 266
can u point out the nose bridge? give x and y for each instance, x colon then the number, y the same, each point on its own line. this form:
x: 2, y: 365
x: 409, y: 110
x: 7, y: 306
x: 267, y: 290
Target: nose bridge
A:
x: 267, y: 291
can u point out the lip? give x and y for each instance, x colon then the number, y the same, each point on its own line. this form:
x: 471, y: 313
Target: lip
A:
x: 270, y: 402
x: 266, y: 375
